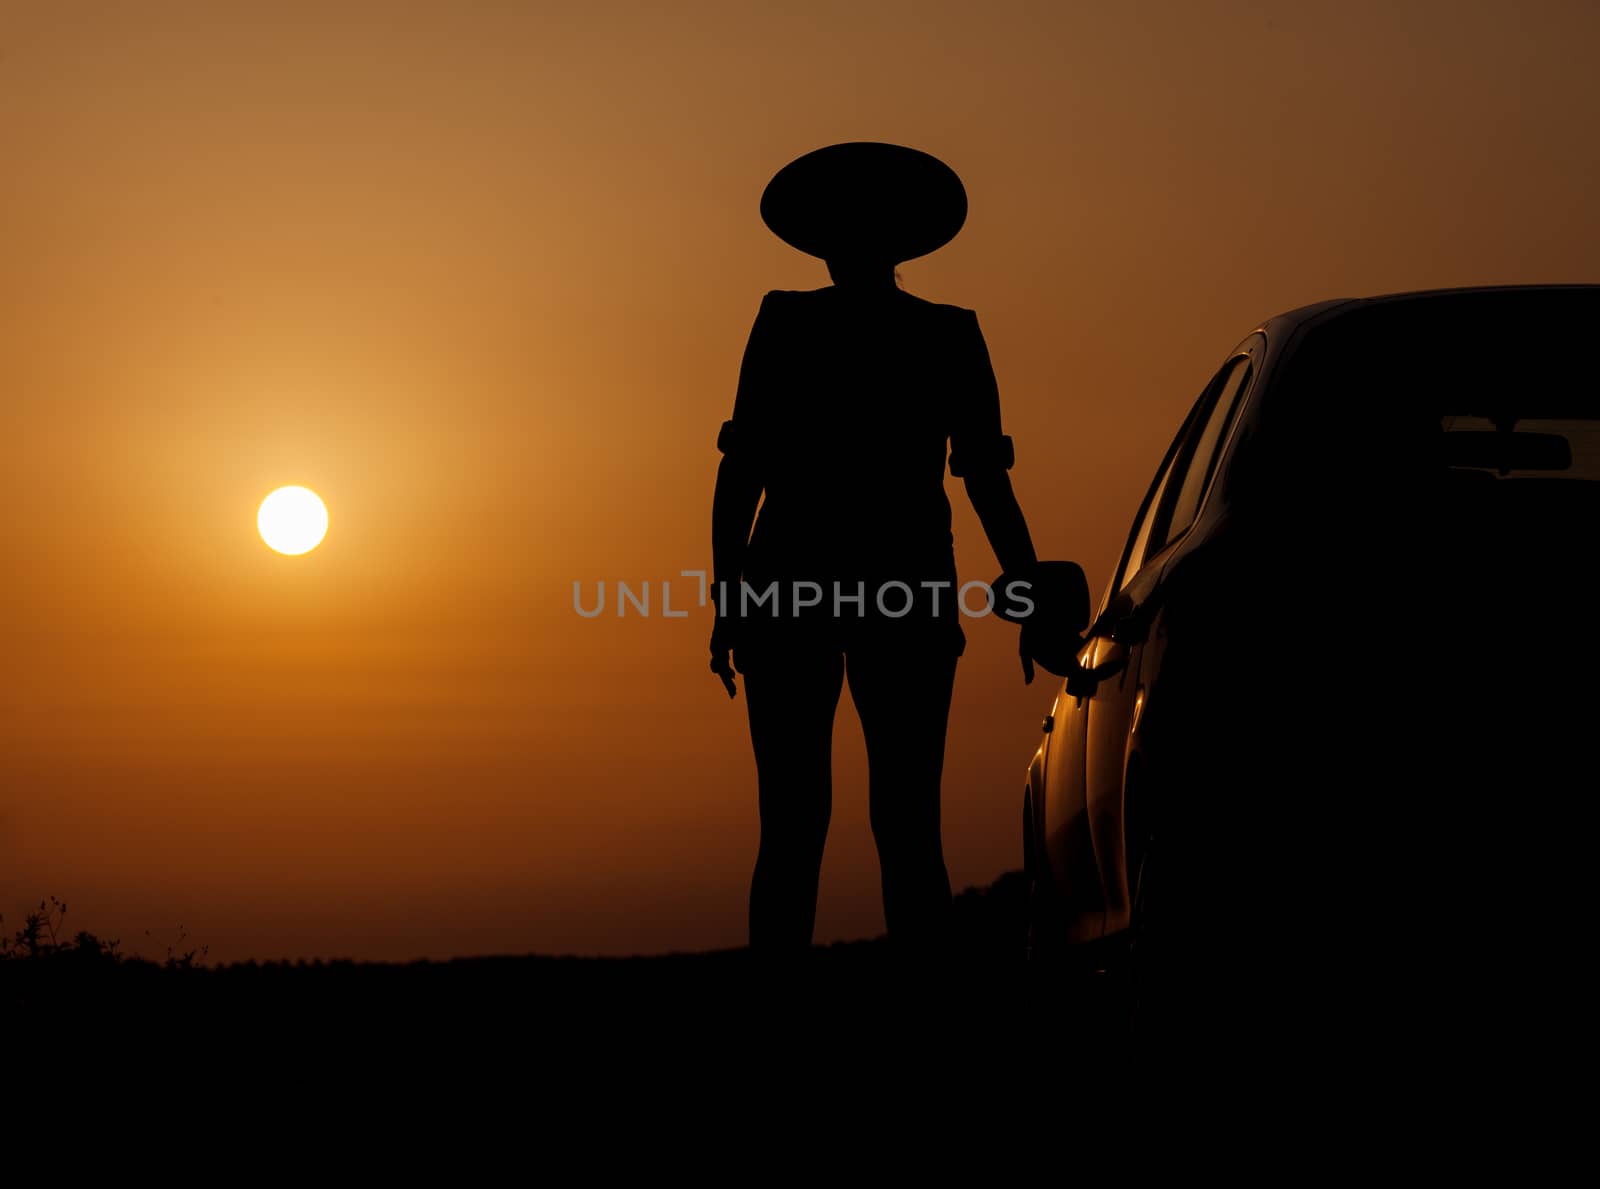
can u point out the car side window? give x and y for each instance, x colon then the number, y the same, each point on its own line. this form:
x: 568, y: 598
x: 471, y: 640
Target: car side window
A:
x: 1201, y: 463
x: 1180, y: 485
x: 1140, y: 542
x: 1154, y: 500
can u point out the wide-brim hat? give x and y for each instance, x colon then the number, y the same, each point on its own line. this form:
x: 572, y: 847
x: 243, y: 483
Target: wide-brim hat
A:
x: 865, y: 200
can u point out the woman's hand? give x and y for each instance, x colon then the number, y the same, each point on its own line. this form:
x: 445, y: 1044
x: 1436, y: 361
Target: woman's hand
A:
x: 721, y: 648
x: 1027, y: 659
x: 1055, y: 648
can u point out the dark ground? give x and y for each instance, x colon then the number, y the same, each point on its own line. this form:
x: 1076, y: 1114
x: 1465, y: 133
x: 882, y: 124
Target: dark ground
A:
x: 853, y: 1020
x: 672, y: 1000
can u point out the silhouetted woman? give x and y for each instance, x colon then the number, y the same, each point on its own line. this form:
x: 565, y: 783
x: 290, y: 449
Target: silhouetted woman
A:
x: 847, y: 398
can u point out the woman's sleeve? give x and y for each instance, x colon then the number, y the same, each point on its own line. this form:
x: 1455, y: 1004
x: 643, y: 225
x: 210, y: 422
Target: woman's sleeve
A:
x: 740, y: 436
x: 977, y: 444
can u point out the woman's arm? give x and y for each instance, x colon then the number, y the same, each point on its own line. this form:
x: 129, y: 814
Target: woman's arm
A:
x: 733, y: 511
x: 981, y: 455
x: 739, y: 486
x: 1003, y: 523
x: 1001, y: 516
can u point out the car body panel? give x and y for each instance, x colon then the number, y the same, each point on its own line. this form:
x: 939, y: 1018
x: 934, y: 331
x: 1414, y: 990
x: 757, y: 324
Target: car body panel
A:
x: 1067, y: 849
x: 1084, y: 846
x: 1086, y: 791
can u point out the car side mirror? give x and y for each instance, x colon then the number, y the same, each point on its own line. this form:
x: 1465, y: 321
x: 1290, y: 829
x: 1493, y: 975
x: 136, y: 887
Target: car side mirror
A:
x: 1050, y: 602
x: 1051, y: 594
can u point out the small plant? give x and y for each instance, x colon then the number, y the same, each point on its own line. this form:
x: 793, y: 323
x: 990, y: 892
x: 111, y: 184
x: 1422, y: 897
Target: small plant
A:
x: 44, y: 935
x: 179, y: 958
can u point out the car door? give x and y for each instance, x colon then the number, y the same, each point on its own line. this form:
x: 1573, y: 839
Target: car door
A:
x: 1064, y: 833
x: 1114, y: 688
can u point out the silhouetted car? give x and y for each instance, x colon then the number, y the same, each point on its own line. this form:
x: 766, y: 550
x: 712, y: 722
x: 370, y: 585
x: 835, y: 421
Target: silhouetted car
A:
x: 1335, y: 703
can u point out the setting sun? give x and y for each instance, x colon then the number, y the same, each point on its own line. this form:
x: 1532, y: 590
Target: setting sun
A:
x: 293, y: 520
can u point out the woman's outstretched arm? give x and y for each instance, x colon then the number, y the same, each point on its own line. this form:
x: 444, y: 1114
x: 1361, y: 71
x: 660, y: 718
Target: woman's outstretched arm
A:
x: 981, y: 454
x: 996, y: 504
x: 989, y: 489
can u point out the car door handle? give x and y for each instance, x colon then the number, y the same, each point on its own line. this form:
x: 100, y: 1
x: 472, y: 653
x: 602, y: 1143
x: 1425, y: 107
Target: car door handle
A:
x: 1112, y: 663
x: 1082, y: 682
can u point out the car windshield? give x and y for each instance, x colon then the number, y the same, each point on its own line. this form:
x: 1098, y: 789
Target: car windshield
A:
x: 1476, y: 386
x: 1448, y: 445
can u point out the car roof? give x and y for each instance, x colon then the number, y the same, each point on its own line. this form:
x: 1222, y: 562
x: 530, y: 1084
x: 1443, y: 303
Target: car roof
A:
x: 1283, y: 324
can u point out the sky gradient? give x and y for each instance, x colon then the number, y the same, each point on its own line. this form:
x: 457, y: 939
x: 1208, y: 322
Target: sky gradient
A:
x: 480, y: 275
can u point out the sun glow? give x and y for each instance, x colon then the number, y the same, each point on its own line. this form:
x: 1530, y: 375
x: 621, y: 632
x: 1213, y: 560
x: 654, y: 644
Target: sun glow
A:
x: 293, y: 520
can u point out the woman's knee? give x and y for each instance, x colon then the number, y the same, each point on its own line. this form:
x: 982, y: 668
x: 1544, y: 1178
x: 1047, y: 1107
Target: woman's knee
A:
x: 794, y: 824
x: 905, y: 805
x: 908, y: 846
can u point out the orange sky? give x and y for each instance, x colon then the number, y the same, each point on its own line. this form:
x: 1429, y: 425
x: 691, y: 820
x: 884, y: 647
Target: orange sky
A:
x: 480, y: 274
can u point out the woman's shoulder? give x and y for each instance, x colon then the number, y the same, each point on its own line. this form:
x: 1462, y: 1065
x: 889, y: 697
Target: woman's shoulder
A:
x: 792, y: 296
x: 958, y: 324
x: 781, y: 302
x: 938, y: 309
